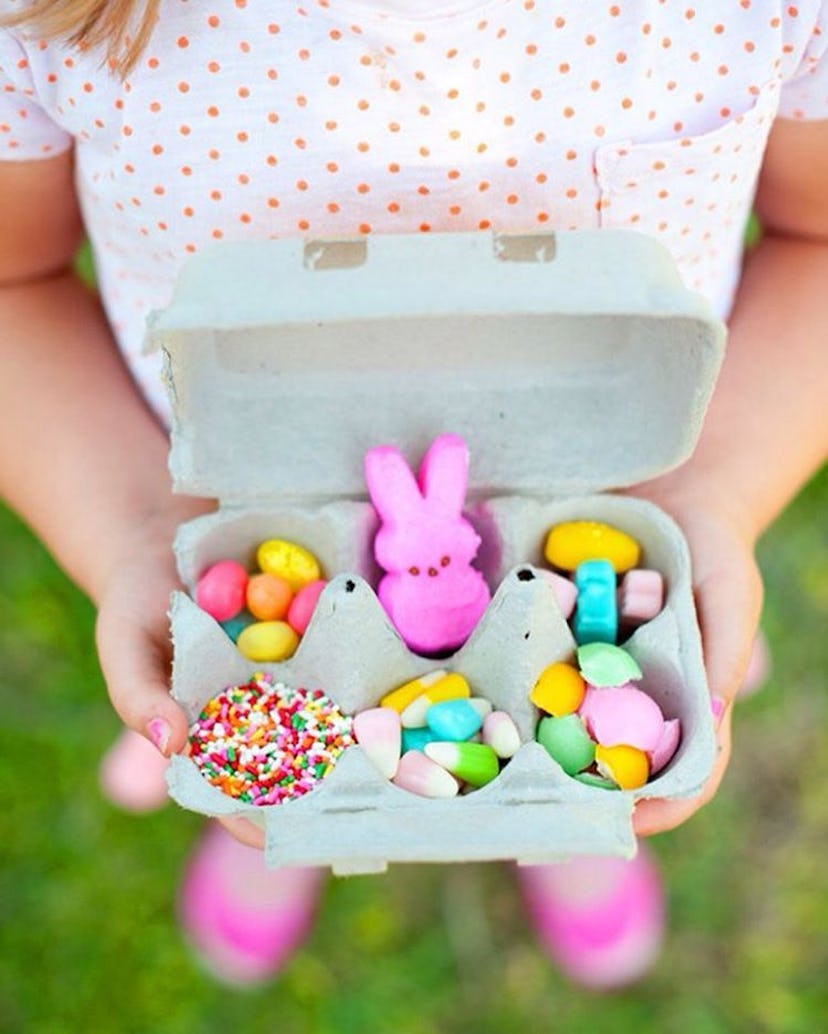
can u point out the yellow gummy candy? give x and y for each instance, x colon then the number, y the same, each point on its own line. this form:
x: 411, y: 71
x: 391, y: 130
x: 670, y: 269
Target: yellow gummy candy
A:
x: 297, y: 565
x: 571, y: 543
x: 268, y: 641
x: 559, y: 691
x: 404, y: 695
x: 450, y: 687
x: 626, y: 766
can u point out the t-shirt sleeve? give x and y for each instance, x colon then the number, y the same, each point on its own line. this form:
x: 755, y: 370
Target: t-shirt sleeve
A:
x: 805, y: 94
x: 26, y: 130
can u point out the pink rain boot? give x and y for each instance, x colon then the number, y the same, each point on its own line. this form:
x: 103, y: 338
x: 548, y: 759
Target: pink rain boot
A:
x: 244, y: 921
x: 600, y: 919
x: 131, y: 774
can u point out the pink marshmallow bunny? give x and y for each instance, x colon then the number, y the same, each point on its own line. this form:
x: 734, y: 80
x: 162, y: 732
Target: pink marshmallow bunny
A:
x: 431, y: 592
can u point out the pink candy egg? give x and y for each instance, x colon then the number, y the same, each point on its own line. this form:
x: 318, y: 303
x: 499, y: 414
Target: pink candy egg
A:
x: 625, y: 715
x: 666, y: 747
x: 303, y: 605
x: 221, y: 590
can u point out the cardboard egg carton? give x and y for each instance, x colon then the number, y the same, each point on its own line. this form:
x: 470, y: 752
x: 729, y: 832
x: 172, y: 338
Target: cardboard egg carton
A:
x: 571, y: 364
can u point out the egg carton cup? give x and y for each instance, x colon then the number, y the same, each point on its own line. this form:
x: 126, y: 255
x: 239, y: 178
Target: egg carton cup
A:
x: 608, y: 356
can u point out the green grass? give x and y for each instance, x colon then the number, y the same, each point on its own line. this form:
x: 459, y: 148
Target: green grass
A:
x: 88, y: 941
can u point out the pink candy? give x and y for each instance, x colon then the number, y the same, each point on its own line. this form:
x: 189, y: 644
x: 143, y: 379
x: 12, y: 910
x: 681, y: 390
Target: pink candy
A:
x: 622, y: 715
x: 303, y: 605
x: 221, y: 590
x: 640, y: 596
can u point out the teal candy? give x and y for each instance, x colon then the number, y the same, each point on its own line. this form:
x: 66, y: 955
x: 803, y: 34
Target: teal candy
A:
x: 416, y: 739
x: 602, y: 664
x: 596, y: 612
x: 235, y: 626
x: 566, y: 741
x: 453, y: 720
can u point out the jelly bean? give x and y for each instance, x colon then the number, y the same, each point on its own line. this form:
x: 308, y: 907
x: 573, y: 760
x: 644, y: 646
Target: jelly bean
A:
x: 568, y: 545
x: 640, y: 596
x: 451, y: 687
x: 268, y: 597
x: 567, y: 742
x: 559, y: 690
x: 235, y: 626
x: 378, y: 732
x: 472, y: 763
x: 419, y: 774
x: 304, y: 604
x: 297, y: 565
x: 622, y: 714
x: 268, y: 641
x: 565, y: 592
x: 220, y: 590
x: 416, y: 739
x: 626, y: 766
x: 406, y: 694
x: 603, y: 664
x: 663, y: 751
x: 453, y: 720
x: 596, y: 612
x: 501, y: 734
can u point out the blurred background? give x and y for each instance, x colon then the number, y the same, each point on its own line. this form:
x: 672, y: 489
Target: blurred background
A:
x: 88, y: 940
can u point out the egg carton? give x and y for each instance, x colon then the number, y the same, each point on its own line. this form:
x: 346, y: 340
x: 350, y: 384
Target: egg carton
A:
x: 571, y: 363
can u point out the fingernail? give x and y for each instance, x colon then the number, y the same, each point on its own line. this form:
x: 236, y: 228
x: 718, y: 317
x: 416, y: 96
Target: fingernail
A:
x: 717, y: 706
x: 159, y: 732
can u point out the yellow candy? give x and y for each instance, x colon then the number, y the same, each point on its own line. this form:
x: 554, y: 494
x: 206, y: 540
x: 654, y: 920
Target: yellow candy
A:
x: 626, y: 766
x: 571, y: 543
x: 297, y: 565
x: 404, y: 695
x: 559, y: 690
x: 268, y: 641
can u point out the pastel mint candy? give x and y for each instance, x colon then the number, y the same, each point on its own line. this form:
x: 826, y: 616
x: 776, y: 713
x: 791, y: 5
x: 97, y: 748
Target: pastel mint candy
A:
x: 566, y: 741
x: 472, y: 763
x: 235, y: 626
x: 603, y: 664
x: 453, y: 720
x: 591, y: 779
x: 416, y: 739
x: 596, y: 612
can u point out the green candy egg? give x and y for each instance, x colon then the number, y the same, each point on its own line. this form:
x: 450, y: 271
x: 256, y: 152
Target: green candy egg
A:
x: 566, y: 741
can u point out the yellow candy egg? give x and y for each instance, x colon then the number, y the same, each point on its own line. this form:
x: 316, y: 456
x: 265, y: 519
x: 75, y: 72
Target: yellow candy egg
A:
x: 297, y: 565
x: 626, y: 766
x: 268, y: 641
x: 559, y: 691
x: 571, y: 543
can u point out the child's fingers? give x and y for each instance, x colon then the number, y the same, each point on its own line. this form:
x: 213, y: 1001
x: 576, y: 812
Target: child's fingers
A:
x: 244, y: 831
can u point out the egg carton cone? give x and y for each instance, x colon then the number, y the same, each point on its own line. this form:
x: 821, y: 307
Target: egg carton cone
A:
x: 572, y: 364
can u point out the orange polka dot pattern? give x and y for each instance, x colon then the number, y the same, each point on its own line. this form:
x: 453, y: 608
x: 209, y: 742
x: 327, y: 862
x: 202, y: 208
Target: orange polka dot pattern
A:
x: 249, y: 119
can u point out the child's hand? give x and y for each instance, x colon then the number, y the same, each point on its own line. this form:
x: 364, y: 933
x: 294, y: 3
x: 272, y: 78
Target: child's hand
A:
x: 728, y: 594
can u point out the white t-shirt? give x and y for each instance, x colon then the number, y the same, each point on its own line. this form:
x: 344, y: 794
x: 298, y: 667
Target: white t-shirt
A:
x: 327, y: 118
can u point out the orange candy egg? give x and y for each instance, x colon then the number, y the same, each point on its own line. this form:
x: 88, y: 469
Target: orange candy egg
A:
x: 268, y: 597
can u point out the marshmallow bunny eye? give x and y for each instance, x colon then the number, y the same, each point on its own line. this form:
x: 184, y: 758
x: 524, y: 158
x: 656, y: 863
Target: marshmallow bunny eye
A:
x: 445, y: 561
x: 414, y: 570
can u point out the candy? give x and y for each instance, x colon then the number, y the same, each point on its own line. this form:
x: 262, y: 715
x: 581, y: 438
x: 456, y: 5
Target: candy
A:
x: 640, y: 596
x: 268, y: 641
x: 264, y: 744
x: 304, y: 604
x: 221, y: 590
x: 622, y: 714
x: 603, y: 664
x: 567, y: 742
x: 406, y: 694
x: 501, y: 734
x: 482, y: 706
x: 297, y: 565
x: 235, y: 626
x: 451, y: 687
x: 624, y: 765
x: 378, y: 732
x: 559, y: 690
x: 453, y: 720
x: 568, y: 545
x: 663, y: 751
x: 472, y: 763
x: 565, y: 592
x: 416, y: 739
x: 596, y: 612
x: 591, y: 779
x: 419, y: 774
x: 268, y: 597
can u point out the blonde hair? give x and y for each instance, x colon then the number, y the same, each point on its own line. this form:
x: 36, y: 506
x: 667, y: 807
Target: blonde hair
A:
x: 121, y: 28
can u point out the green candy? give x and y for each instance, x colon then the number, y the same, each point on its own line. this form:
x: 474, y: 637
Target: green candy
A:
x: 473, y: 763
x: 566, y: 741
x: 235, y: 626
x: 603, y: 664
x: 590, y: 779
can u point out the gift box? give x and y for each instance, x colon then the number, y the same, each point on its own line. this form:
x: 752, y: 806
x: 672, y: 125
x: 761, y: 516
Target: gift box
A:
x: 572, y: 364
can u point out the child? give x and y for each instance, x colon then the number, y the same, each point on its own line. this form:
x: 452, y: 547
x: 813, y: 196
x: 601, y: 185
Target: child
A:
x: 162, y: 126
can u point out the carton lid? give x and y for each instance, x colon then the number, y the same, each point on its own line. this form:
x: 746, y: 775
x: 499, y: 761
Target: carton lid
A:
x: 571, y: 362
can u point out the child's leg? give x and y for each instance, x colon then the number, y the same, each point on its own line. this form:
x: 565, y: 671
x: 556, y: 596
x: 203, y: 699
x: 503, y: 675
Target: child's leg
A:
x: 244, y: 921
x: 600, y: 919
x: 131, y: 774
